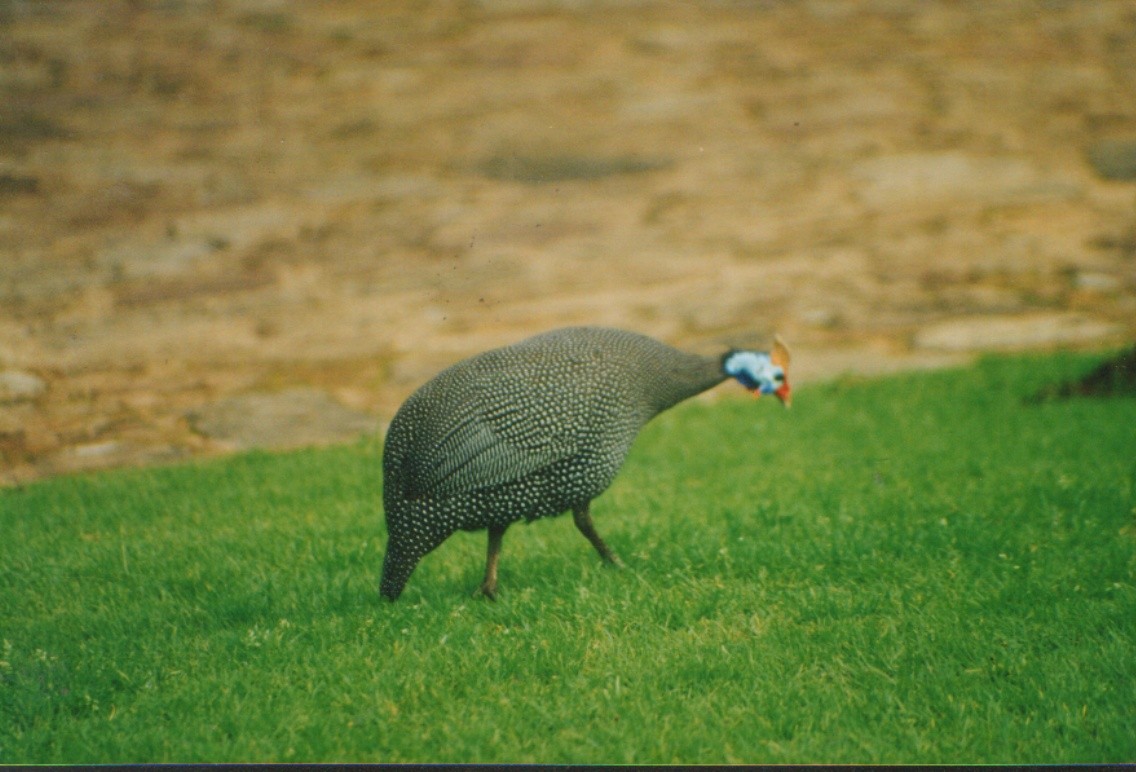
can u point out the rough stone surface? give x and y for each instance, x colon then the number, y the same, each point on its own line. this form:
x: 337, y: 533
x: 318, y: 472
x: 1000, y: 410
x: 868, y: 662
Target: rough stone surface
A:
x: 921, y: 178
x: 280, y: 420
x: 350, y: 196
x: 18, y: 386
x: 106, y: 454
x: 985, y: 333
x: 1114, y: 159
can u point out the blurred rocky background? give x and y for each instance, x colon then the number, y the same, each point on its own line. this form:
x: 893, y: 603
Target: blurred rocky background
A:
x: 243, y: 223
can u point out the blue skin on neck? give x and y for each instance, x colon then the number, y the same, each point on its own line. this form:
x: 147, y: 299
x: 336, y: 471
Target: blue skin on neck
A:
x: 754, y: 370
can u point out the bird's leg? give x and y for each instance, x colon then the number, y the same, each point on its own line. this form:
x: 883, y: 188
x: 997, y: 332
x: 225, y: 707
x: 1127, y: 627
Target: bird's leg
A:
x: 584, y: 522
x: 489, y: 586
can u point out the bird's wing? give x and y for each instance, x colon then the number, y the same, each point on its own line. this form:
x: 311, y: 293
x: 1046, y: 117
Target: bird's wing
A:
x: 504, y: 427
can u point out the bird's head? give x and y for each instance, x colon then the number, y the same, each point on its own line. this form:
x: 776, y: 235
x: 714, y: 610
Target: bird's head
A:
x: 761, y: 372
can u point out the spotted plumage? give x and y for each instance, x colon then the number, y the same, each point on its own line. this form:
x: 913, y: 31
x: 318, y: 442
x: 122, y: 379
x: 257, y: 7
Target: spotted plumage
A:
x: 534, y: 430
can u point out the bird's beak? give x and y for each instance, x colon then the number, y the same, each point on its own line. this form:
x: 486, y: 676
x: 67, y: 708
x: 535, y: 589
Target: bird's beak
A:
x: 785, y: 395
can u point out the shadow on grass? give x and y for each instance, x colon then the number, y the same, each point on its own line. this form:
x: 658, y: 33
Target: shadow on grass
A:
x: 1115, y: 377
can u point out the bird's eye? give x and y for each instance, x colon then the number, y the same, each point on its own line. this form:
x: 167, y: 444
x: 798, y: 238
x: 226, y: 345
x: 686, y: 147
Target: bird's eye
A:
x: 779, y: 378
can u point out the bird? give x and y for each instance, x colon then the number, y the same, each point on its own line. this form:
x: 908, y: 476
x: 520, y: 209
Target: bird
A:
x: 536, y: 429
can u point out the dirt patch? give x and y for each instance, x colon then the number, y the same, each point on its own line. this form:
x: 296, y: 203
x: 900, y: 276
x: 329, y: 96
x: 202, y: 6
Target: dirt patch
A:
x: 203, y: 202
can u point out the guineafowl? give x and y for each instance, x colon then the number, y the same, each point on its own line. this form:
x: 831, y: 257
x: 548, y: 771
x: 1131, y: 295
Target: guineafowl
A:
x: 533, y: 430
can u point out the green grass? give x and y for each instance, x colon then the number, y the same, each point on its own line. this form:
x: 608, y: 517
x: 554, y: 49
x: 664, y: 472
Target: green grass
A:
x: 916, y: 569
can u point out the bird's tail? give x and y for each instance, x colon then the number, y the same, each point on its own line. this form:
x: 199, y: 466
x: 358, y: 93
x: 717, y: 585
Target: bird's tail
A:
x: 397, y: 568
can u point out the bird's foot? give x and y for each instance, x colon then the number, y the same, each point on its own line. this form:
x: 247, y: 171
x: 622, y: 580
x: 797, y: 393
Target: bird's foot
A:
x: 487, y: 590
x: 613, y: 560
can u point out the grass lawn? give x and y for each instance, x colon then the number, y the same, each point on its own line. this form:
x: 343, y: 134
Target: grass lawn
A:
x: 921, y: 568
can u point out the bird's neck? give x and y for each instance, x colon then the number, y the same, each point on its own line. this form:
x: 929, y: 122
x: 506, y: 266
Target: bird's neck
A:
x: 686, y: 375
